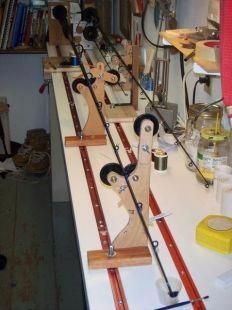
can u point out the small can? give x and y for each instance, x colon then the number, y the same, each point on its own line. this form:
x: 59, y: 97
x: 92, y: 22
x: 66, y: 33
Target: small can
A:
x: 160, y: 159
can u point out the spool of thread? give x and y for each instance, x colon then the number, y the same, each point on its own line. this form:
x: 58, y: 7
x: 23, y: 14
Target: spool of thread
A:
x: 74, y: 61
x: 226, y: 202
x: 160, y: 159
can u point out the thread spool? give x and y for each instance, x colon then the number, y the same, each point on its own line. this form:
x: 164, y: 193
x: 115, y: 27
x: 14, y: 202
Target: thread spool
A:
x: 160, y: 159
x: 74, y: 60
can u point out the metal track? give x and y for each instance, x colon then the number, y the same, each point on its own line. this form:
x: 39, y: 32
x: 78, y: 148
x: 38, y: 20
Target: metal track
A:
x: 168, y: 238
x: 113, y: 273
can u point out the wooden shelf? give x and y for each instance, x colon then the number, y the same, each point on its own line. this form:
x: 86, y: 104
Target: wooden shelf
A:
x: 179, y: 38
x: 24, y: 51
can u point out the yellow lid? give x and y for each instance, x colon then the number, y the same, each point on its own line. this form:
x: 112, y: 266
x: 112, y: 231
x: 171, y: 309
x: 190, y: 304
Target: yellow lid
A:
x: 210, y: 134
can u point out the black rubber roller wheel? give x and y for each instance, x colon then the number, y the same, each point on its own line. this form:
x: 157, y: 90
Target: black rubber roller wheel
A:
x: 3, y: 261
x: 76, y: 82
x: 90, y: 33
x: 105, y: 170
x: 81, y: 81
x: 139, y: 119
x: 128, y: 169
x: 116, y: 73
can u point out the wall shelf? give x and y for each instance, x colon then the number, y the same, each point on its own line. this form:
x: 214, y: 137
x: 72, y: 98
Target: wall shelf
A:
x: 179, y: 38
x: 24, y: 51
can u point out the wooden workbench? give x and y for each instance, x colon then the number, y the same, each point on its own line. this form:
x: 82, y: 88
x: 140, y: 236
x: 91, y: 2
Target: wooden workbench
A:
x: 176, y: 190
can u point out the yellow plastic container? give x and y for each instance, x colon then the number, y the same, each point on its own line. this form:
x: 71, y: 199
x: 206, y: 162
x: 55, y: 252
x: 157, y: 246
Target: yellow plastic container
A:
x: 215, y: 232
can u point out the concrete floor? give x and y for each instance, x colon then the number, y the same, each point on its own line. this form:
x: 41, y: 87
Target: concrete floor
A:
x: 38, y: 238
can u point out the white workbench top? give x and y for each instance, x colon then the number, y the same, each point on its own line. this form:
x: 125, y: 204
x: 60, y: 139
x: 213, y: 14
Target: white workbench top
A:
x: 177, y: 191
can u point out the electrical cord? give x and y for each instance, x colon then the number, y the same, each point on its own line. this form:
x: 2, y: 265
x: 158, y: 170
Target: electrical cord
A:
x: 144, y: 32
x: 185, y: 86
x: 194, y: 91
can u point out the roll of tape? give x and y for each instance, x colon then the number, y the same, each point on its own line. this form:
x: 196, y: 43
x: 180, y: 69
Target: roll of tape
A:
x: 207, y: 50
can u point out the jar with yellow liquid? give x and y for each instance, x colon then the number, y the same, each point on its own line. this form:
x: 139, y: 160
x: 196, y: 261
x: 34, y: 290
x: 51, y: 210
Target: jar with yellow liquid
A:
x: 200, y: 116
x: 213, y: 151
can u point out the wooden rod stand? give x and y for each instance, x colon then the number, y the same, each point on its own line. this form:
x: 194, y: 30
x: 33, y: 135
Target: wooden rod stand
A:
x: 125, y: 257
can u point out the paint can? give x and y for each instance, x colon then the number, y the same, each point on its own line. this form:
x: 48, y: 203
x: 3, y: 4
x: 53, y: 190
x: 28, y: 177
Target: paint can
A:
x: 160, y: 159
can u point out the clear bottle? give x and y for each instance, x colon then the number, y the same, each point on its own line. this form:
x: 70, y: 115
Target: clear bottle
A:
x: 199, y: 117
x: 213, y: 150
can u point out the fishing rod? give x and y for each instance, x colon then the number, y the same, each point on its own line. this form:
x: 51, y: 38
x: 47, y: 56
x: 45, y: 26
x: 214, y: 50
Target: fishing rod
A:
x: 60, y: 13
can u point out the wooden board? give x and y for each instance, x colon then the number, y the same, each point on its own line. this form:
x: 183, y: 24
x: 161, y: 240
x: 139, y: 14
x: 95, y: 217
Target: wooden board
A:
x: 177, y: 39
x: 136, y: 256
x: 119, y: 114
x: 71, y: 141
x: 52, y: 64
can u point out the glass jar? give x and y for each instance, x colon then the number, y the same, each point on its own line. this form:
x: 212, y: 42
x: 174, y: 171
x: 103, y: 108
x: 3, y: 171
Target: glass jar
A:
x: 213, y: 150
x: 199, y: 119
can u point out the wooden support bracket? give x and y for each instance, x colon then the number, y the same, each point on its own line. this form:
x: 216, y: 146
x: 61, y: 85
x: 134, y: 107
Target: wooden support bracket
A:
x: 93, y: 132
x: 133, y: 235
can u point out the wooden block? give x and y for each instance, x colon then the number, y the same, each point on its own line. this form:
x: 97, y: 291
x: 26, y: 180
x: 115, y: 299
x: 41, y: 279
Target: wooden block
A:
x: 136, y: 256
x: 72, y: 141
x: 119, y: 113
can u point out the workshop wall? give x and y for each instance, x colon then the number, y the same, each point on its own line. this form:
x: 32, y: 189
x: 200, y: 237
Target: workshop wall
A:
x: 20, y: 78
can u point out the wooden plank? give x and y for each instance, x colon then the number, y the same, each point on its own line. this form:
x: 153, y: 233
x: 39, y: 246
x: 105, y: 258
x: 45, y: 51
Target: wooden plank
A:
x: 71, y: 141
x: 177, y: 39
x: 136, y: 256
x: 119, y: 114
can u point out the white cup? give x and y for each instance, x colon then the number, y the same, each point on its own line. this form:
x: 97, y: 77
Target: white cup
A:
x: 219, y: 171
x: 163, y: 291
x: 223, y: 169
x: 226, y: 201
x: 223, y: 182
